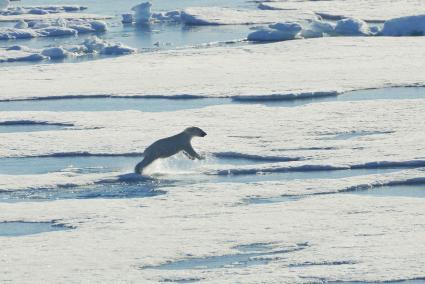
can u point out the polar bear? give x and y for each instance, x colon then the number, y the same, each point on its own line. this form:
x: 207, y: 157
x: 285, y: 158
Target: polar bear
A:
x: 170, y: 146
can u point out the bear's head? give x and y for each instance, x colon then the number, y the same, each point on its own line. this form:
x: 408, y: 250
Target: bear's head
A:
x: 195, y: 131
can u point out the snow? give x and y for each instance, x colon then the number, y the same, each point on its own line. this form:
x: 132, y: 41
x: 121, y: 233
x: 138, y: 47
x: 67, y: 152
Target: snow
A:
x: 254, y: 70
x: 405, y: 26
x: 366, y: 10
x: 228, y: 16
x: 353, y: 27
x: 276, y: 32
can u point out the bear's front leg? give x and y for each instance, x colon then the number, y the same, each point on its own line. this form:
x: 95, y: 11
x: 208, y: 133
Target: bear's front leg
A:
x: 189, y: 156
x: 192, y: 153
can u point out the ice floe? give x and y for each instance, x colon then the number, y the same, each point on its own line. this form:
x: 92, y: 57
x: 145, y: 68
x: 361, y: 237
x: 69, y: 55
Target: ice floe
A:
x: 405, y: 26
x: 20, y: 53
x: 276, y: 32
x: 142, y: 12
x: 59, y: 27
x: 91, y: 46
x: 96, y: 45
x: 352, y: 27
x: 366, y: 10
x: 228, y: 16
x: 252, y: 71
x: 50, y: 12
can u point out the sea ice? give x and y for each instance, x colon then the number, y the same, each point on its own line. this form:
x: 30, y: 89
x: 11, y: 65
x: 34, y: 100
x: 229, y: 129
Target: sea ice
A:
x: 142, y: 12
x: 366, y: 10
x: 252, y: 71
x: 96, y: 45
x: 352, y: 27
x: 405, y: 26
x: 55, y: 52
x: 52, y: 28
x: 21, y: 25
x: 17, y: 33
x: 89, y: 46
x: 276, y: 32
x: 228, y: 16
x: 127, y: 18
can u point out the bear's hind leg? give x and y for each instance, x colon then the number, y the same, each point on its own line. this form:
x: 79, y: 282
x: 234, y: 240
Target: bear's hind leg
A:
x: 142, y: 165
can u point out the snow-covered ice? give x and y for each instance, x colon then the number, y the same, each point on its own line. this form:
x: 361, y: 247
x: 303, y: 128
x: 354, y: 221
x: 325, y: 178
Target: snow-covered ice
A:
x: 52, y: 16
x: 228, y: 16
x: 352, y: 27
x: 142, y: 12
x: 276, y: 32
x: 90, y: 46
x: 367, y: 10
x: 52, y: 28
x: 405, y: 26
x: 252, y: 71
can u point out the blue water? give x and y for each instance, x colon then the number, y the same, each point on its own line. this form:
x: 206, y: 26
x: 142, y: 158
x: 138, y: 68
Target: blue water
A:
x: 81, y: 164
x: 399, y: 93
x: 20, y: 228
x: 110, y: 104
x: 148, y: 188
x: 155, y: 104
x: 30, y: 128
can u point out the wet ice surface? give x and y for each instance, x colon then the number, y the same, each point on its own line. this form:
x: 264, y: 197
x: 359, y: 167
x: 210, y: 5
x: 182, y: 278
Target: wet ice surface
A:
x: 156, y: 104
x: 105, y: 191
x: 254, y: 254
x: 109, y: 104
x: 30, y: 128
x: 417, y: 191
x: 81, y: 164
x: 401, y: 93
x: 412, y: 281
x: 22, y: 228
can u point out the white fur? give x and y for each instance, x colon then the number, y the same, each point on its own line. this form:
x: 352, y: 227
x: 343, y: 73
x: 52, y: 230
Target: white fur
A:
x: 170, y: 146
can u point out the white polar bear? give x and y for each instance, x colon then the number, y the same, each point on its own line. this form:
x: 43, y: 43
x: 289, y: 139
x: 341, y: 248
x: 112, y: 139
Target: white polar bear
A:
x: 170, y: 146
